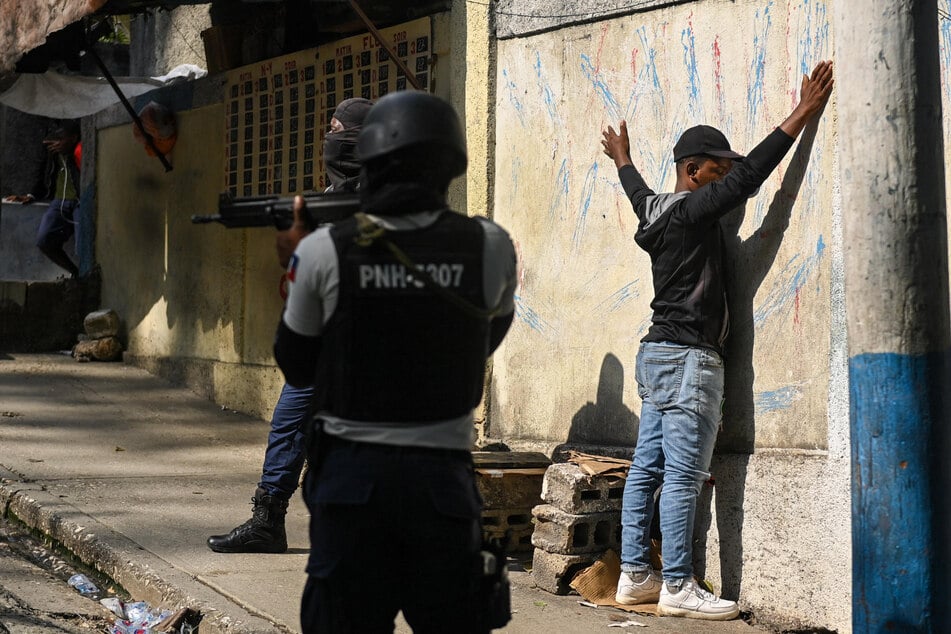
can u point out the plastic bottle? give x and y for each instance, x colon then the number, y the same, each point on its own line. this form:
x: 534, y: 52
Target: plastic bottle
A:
x: 83, y: 585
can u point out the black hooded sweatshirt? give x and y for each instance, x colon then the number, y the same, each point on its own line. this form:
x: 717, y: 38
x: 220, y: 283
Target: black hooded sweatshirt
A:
x: 681, y: 232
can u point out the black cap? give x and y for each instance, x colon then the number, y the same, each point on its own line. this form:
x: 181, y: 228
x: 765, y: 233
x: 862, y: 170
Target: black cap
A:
x: 704, y: 140
x: 351, y: 112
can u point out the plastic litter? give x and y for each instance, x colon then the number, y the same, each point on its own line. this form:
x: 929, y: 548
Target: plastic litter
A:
x: 139, y: 619
x: 114, y: 605
x: 83, y: 585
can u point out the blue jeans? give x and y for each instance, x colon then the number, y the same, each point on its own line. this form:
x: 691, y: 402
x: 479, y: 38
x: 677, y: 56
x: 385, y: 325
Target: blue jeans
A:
x: 284, y: 456
x: 681, y: 390
x: 57, y: 224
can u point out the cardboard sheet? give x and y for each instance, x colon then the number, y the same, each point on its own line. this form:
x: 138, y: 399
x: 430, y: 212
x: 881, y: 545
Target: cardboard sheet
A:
x: 598, y: 584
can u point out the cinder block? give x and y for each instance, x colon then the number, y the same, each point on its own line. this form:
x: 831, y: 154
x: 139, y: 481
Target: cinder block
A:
x: 520, y: 539
x: 510, y: 479
x: 553, y: 572
x: 495, y: 523
x: 568, y: 534
x: 571, y: 490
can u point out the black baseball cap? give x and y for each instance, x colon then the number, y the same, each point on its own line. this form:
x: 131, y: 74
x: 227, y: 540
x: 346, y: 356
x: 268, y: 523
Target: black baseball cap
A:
x: 704, y: 140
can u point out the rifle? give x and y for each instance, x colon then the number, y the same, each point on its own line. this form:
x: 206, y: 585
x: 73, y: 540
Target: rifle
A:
x: 278, y: 212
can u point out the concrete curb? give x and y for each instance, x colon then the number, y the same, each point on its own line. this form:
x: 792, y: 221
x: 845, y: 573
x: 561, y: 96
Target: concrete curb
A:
x: 144, y: 575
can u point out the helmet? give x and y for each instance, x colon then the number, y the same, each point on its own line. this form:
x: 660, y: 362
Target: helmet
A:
x: 409, y: 118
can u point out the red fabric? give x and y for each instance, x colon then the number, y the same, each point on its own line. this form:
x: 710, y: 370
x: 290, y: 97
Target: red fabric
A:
x: 78, y: 154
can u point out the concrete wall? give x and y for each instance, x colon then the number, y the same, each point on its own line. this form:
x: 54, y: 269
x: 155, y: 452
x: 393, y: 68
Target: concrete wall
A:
x: 780, y: 512
x: 161, y: 40
x: 199, y: 302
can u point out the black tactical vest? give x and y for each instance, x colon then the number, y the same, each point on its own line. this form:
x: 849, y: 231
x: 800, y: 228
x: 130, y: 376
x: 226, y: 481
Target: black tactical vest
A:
x: 394, y: 350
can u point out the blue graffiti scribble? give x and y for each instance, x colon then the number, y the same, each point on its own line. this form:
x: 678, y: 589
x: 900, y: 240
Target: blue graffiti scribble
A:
x: 516, y: 170
x: 659, y: 166
x: 587, y: 191
x: 695, y: 102
x: 755, y: 91
x: 641, y: 328
x: 513, y: 97
x: 775, y: 400
x: 547, y: 95
x: 815, y: 35
x: 561, y: 189
x: 532, y: 319
x: 792, y: 278
x: 646, y: 76
x: 618, y: 298
x: 597, y: 82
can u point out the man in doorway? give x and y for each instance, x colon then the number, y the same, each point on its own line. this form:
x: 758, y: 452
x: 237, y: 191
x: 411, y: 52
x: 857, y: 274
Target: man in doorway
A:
x: 58, y: 223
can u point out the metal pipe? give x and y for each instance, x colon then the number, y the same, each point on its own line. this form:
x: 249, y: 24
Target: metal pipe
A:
x: 410, y: 77
x: 132, y: 113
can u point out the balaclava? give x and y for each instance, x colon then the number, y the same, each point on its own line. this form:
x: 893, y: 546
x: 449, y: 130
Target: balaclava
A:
x: 340, y: 157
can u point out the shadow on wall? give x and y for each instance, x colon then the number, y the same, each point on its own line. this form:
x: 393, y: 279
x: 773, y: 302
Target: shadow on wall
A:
x: 748, y: 263
x: 606, y: 426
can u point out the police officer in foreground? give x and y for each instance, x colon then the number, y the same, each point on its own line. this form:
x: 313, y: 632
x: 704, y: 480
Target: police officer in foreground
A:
x: 394, y: 313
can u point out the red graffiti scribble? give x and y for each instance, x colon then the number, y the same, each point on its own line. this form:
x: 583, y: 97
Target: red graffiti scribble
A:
x: 597, y: 57
x: 718, y: 69
x: 796, y: 310
x: 790, y: 70
x: 620, y: 214
x: 634, y: 53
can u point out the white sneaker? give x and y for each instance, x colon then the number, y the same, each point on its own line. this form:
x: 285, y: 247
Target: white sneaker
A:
x: 631, y: 592
x: 693, y: 602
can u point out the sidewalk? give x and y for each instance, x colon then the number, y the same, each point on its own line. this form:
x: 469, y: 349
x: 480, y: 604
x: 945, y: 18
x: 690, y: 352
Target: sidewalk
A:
x: 132, y: 474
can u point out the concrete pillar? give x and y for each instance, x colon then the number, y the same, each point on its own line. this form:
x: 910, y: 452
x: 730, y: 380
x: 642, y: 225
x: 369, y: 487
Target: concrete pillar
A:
x: 896, y: 280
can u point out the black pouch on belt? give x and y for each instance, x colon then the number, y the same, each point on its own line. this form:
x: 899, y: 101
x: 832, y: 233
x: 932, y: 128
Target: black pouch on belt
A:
x: 494, y: 590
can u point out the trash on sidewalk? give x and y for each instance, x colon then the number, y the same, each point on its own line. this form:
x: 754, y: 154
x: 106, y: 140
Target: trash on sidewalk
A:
x: 141, y: 618
x: 627, y: 624
x: 598, y: 584
x: 114, y: 605
x: 83, y: 585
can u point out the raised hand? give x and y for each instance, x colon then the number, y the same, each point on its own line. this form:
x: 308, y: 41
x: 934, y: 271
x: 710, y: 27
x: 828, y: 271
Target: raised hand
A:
x: 813, y: 96
x: 617, y: 145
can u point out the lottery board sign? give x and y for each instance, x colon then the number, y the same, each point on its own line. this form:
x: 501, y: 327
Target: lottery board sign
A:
x: 277, y: 111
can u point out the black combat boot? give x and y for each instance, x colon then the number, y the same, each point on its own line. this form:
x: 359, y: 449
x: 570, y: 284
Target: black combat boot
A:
x: 263, y: 533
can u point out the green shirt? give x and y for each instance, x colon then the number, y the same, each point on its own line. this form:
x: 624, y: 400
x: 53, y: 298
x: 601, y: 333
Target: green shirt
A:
x: 65, y: 188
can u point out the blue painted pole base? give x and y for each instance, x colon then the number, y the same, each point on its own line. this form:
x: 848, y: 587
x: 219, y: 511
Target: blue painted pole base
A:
x: 901, y: 493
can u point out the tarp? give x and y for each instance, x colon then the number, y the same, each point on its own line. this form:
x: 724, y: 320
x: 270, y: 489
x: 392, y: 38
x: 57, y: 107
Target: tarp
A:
x: 24, y: 24
x: 58, y: 96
